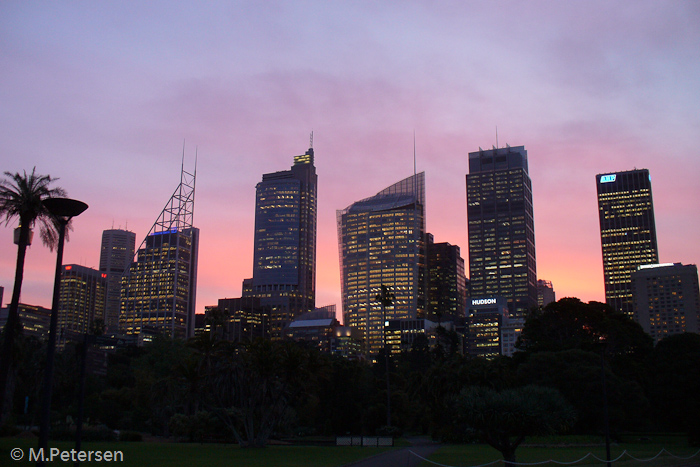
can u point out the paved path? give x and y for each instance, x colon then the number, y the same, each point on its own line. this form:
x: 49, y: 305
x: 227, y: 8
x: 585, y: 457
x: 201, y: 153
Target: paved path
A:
x: 400, y: 457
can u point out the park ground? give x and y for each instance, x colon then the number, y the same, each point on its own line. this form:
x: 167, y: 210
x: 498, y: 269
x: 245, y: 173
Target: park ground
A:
x: 562, y: 450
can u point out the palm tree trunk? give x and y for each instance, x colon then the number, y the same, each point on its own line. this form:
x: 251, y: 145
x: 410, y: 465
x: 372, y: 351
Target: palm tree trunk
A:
x: 12, y: 328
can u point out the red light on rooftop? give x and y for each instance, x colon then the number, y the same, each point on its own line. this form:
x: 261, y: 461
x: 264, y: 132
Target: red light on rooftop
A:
x: 68, y: 268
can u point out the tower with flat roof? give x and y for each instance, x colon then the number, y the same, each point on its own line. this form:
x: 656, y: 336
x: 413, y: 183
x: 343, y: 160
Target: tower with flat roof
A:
x: 666, y: 299
x: 627, y: 232
x: 501, y: 228
x: 116, y: 255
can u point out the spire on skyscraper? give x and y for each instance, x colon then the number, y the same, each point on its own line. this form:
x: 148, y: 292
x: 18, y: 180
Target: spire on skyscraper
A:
x: 159, y: 288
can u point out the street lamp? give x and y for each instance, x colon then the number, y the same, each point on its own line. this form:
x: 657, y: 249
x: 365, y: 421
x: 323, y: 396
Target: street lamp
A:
x: 63, y: 210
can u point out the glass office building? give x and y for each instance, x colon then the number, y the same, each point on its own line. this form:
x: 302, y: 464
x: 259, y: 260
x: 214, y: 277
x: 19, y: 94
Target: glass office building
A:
x: 627, y: 232
x: 116, y: 255
x: 158, y: 292
x: 382, y: 242
x: 82, y: 302
x: 501, y: 228
x: 284, y: 256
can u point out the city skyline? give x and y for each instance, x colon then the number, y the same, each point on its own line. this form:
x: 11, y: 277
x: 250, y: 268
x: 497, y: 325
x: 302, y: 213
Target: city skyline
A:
x: 103, y: 97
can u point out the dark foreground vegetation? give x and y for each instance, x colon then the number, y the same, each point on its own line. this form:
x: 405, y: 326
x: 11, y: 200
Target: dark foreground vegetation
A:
x: 250, y: 393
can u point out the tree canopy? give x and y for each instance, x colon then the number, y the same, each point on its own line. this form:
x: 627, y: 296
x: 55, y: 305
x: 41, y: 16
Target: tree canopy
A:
x: 504, y: 418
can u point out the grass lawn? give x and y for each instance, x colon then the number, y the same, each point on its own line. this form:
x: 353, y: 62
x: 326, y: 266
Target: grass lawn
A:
x: 187, y: 455
x: 472, y: 455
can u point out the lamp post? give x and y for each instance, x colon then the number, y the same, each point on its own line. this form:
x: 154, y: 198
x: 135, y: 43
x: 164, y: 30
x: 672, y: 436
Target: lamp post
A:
x: 602, y: 343
x: 63, y: 210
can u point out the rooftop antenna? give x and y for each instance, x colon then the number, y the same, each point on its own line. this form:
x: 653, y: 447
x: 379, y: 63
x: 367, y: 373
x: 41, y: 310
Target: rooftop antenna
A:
x: 414, y: 153
x: 311, y: 140
x: 182, y: 167
x: 496, y: 136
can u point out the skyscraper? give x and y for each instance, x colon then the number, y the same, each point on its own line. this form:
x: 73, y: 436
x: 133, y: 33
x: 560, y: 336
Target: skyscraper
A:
x: 284, y: 257
x: 82, y: 301
x: 501, y: 228
x: 159, y: 288
x: 447, y: 284
x: 382, y: 242
x: 116, y: 255
x: 627, y: 232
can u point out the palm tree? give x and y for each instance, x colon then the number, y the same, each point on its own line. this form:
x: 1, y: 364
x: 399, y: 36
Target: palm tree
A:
x: 21, y: 197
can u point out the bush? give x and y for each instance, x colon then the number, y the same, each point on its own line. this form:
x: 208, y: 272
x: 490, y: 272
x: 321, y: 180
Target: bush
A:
x: 130, y: 436
x: 90, y: 433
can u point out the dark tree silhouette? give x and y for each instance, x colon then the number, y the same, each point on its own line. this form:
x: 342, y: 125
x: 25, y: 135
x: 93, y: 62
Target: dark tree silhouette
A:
x: 504, y: 418
x: 21, y: 197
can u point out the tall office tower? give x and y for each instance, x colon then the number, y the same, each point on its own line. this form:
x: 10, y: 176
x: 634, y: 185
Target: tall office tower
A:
x: 159, y: 288
x: 666, y: 299
x: 116, y: 255
x: 501, y: 228
x: 82, y: 302
x: 447, y: 284
x: 382, y: 242
x: 627, y: 232
x: 284, y: 257
x: 545, y: 293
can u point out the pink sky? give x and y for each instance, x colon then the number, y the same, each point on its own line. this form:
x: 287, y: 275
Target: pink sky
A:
x: 102, y: 95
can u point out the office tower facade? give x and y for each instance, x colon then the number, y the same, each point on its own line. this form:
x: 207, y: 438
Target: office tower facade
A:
x: 240, y: 319
x: 447, y: 283
x: 159, y: 288
x: 284, y: 256
x: 382, y: 242
x: 35, y: 320
x: 545, y: 293
x: 116, y: 255
x: 666, y: 299
x: 627, y: 232
x: 485, y: 318
x: 501, y: 228
x: 82, y: 302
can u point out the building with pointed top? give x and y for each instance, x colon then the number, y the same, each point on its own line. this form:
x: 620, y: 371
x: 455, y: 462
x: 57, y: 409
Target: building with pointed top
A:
x: 158, y: 292
x: 381, y: 240
x: 284, y: 255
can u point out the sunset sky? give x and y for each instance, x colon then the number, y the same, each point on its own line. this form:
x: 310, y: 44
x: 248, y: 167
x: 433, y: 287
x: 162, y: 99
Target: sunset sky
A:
x: 103, y: 94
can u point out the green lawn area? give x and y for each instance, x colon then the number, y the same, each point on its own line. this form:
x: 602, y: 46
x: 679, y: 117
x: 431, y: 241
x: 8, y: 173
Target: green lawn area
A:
x: 187, y: 455
x: 472, y: 455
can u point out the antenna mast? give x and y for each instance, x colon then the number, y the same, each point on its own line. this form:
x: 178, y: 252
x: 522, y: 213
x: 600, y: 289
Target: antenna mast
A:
x: 414, y: 152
